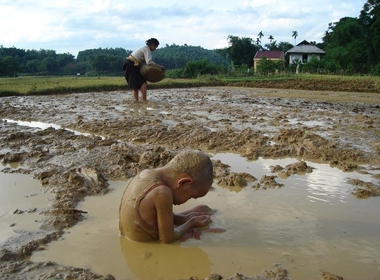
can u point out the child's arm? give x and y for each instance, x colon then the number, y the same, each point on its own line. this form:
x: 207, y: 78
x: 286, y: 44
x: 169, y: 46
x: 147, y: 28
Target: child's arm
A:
x: 182, y: 218
x: 198, y: 210
x: 163, y: 202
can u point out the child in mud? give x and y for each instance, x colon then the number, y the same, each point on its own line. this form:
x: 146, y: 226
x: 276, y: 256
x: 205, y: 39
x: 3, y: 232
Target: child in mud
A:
x: 146, y: 208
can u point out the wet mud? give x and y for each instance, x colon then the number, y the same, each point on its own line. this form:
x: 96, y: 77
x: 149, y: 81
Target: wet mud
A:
x: 89, y: 139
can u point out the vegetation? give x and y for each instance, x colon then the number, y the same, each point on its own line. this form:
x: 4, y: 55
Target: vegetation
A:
x: 267, y: 66
x: 351, y: 46
x: 176, y: 57
x: 13, y: 60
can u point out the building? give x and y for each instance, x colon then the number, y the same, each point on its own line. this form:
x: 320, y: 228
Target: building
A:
x: 303, y: 52
x: 271, y: 55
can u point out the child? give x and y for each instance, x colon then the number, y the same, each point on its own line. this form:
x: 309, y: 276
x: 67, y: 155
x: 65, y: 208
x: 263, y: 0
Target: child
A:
x: 146, y: 208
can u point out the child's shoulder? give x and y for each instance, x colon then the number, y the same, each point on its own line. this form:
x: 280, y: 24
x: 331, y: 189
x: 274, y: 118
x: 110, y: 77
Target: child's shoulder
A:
x: 160, y: 194
x: 148, y: 174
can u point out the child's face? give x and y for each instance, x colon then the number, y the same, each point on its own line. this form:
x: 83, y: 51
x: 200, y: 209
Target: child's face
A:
x: 191, y: 191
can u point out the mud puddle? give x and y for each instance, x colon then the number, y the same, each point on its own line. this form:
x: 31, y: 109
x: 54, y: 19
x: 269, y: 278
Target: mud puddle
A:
x: 308, y: 218
x: 309, y: 223
x: 21, y: 201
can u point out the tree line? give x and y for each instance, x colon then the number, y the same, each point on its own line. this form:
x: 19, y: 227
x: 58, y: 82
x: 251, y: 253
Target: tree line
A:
x: 101, y: 61
x: 351, y: 45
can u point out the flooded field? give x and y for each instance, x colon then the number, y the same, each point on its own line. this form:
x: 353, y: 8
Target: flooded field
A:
x: 306, y: 226
x: 296, y: 183
x: 21, y: 199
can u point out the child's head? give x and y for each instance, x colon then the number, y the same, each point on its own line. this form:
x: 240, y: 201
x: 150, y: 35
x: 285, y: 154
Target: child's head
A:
x: 198, y: 166
x: 195, y: 163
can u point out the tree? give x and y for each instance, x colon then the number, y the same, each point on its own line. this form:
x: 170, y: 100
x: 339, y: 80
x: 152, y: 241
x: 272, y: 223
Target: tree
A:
x: 174, y: 56
x: 64, y: 59
x: 48, y: 64
x: 313, y: 65
x: 258, y: 41
x: 200, y: 67
x: 266, y: 66
x: 295, y: 35
x: 370, y: 20
x: 270, y: 38
x: 345, y: 43
x: 241, y: 50
x: 339, y: 58
x: 9, y: 66
x: 346, y: 31
x: 98, y: 63
x: 32, y: 66
x: 284, y: 46
x: 272, y: 46
x: 260, y: 35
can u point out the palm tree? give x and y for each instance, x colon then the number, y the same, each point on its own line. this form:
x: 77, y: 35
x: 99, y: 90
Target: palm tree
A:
x: 258, y: 42
x: 295, y: 35
x: 260, y: 35
x: 270, y: 38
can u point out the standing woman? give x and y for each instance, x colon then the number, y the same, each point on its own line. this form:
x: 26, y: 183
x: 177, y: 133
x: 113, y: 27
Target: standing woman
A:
x: 132, y: 68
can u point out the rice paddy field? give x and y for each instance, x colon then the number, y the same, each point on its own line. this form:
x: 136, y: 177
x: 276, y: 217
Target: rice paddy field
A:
x: 34, y: 85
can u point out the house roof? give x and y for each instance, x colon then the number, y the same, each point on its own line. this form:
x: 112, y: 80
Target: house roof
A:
x: 305, y: 47
x: 269, y: 54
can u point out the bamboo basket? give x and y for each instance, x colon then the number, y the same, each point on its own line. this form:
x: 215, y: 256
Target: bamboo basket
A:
x: 152, y: 73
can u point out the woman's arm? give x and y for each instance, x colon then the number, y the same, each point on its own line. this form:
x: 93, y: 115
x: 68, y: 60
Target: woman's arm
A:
x: 148, y: 56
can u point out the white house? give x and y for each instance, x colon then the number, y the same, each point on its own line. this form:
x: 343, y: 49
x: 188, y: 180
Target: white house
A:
x: 303, y: 52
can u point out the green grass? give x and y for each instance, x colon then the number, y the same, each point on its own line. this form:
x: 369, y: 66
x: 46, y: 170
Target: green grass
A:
x: 50, y: 85
x: 36, y: 85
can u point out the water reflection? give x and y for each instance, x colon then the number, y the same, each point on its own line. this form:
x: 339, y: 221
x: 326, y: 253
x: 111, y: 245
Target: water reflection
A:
x: 327, y: 186
x: 42, y: 125
x: 307, y: 123
x: 164, y: 261
x: 35, y: 124
x: 323, y: 183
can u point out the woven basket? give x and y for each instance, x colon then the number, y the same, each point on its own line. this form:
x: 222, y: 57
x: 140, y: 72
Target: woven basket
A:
x: 152, y: 73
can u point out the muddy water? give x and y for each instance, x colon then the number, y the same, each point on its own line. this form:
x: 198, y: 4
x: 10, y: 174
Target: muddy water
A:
x: 43, y: 125
x: 311, y: 224
x: 21, y: 200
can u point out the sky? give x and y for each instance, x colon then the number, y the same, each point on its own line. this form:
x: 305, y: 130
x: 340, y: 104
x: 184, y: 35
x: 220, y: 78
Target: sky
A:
x: 70, y: 26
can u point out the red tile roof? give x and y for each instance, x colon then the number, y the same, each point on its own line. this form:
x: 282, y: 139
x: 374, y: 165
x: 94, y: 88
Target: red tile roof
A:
x: 270, y: 54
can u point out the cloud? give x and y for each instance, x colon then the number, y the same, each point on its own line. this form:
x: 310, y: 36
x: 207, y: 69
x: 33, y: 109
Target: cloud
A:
x: 71, y: 26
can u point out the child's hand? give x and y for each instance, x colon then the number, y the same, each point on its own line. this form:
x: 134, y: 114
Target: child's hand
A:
x: 193, y: 214
x: 193, y: 233
x: 196, y: 233
x: 200, y: 220
x: 181, y: 219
